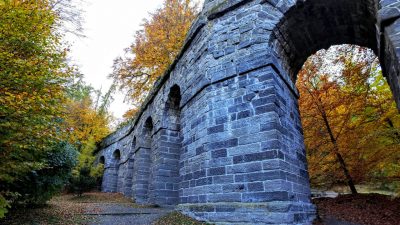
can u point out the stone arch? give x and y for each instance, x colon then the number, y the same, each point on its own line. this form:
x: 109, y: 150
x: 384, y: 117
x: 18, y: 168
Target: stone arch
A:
x: 114, y: 167
x: 302, y: 30
x: 143, y: 163
x: 311, y: 25
x: 172, y: 105
x: 100, y: 181
x: 148, y: 128
x: 117, y: 156
x: 102, y: 160
x: 165, y: 181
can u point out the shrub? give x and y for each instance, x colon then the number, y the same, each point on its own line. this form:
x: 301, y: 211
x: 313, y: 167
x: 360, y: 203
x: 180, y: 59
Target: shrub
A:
x: 3, y: 206
x: 39, y: 186
x: 86, y: 175
x: 83, y: 181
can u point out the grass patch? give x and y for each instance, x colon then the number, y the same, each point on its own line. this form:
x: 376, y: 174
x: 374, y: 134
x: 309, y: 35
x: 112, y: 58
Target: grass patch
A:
x: 177, y: 218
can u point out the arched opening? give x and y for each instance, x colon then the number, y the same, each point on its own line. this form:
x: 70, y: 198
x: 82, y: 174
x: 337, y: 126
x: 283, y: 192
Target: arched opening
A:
x: 100, y: 180
x: 102, y: 160
x: 172, y: 104
x: 306, y: 28
x: 116, y: 155
x: 147, y: 130
x: 166, y: 172
x: 147, y: 133
x: 143, y: 163
x: 114, y: 167
x: 349, y: 119
x: 312, y: 25
x: 148, y: 125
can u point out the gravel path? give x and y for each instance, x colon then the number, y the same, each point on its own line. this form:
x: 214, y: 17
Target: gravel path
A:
x: 123, y: 214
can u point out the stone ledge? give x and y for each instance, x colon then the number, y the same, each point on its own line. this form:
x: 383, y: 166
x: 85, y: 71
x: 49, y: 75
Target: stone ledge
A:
x: 243, y: 213
x: 265, y: 207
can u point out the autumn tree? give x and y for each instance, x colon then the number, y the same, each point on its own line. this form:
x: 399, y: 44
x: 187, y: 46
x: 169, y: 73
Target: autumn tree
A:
x: 34, y: 77
x: 153, y: 50
x: 379, y: 142
x: 85, y: 119
x: 340, y: 109
x: 86, y: 123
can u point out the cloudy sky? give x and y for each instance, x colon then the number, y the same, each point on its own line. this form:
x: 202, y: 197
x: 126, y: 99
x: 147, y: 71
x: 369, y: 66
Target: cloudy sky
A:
x: 109, y: 29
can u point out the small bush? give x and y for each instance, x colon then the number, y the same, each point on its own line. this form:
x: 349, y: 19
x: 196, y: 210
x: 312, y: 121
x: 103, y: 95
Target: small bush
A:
x: 37, y: 187
x: 83, y: 181
x: 3, y: 206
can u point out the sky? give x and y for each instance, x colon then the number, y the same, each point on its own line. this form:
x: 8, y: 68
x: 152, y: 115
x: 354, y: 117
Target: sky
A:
x: 109, y: 27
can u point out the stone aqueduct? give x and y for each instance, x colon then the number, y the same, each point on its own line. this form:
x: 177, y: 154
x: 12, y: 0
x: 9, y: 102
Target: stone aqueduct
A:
x: 220, y: 136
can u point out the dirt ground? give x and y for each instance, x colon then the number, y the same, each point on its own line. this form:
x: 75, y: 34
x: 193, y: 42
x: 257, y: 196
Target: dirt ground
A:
x: 365, y: 209
x: 94, y: 209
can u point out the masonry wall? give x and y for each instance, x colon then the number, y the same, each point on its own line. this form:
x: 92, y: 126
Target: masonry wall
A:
x: 220, y: 136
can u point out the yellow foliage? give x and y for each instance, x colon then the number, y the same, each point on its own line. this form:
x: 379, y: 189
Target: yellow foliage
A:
x: 84, y: 124
x: 154, y: 49
x: 358, y: 106
x: 33, y: 76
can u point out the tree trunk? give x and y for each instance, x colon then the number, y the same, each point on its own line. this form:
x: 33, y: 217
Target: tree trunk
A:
x: 391, y: 125
x: 339, y: 156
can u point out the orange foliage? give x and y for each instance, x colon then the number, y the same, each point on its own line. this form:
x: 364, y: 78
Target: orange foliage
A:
x: 356, y: 104
x: 154, y: 49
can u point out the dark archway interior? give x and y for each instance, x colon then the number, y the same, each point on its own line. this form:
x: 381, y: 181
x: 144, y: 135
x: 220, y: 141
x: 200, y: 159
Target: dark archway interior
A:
x: 117, y: 155
x: 116, y: 182
x: 174, y: 98
x: 148, y: 125
x: 147, y: 132
x: 102, y: 160
x: 172, y: 109
x: 318, y: 24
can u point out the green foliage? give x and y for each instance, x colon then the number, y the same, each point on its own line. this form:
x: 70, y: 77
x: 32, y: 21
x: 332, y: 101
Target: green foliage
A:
x: 86, y: 159
x: 46, y: 110
x: 78, y: 90
x: 3, y: 206
x: 34, y: 77
x: 38, y: 186
x: 86, y: 175
x: 83, y: 181
x: 97, y: 171
x: 86, y: 119
x: 33, y: 74
x: 87, y: 122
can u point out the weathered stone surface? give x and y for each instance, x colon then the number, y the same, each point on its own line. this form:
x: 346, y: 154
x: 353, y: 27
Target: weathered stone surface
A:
x: 220, y: 135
